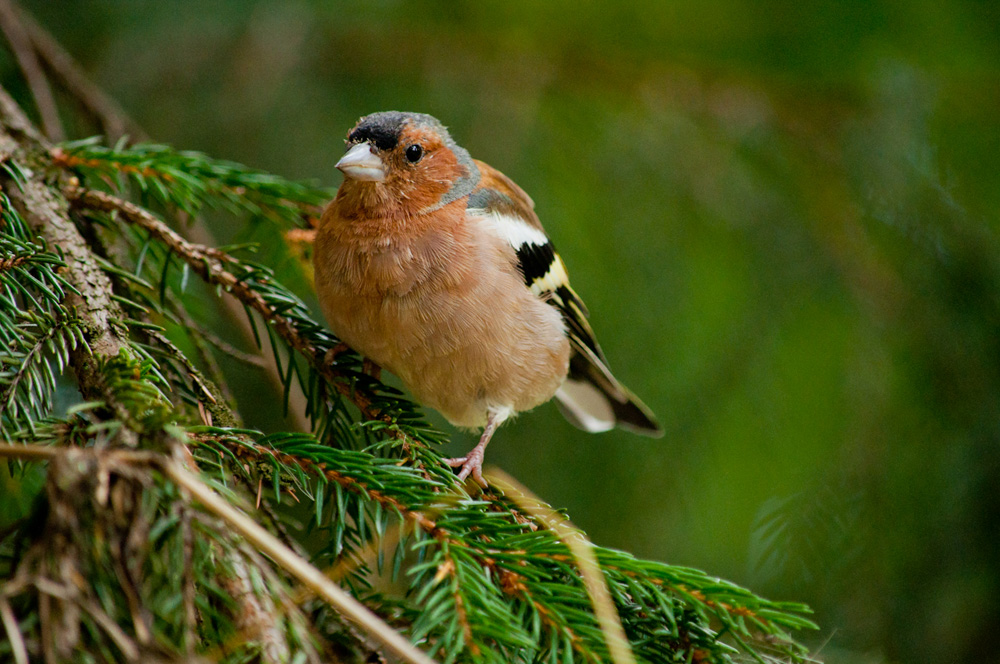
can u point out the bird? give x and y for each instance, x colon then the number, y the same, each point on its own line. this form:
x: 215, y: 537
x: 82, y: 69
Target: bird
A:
x: 435, y: 266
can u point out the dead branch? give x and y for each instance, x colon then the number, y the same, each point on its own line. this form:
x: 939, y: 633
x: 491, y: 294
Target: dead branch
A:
x: 114, y: 122
x: 20, y: 44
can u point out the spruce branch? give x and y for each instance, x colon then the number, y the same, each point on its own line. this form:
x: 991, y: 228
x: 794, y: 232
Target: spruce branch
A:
x: 27, y: 377
x: 295, y: 565
x: 114, y: 370
x: 111, y: 118
x: 191, y: 181
x: 115, y: 123
x: 29, y: 270
x: 582, y: 549
x: 501, y: 564
x: 47, y: 214
x: 253, y: 286
x: 265, y: 542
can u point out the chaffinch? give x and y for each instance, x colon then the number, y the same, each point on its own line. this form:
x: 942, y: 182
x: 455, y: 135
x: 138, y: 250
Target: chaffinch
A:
x: 435, y: 266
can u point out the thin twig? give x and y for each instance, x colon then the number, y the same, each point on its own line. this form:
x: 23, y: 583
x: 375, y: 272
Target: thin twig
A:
x: 582, y: 550
x: 125, y: 644
x: 113, y: 120
x: 200, y: 335
x: 233, y: 310
x: 45, y: 625
x: 14, y: 635
x: 24, y: 51
x: 8, y: 395
x: 29, y: 452
x: 133, y: 597
x: 295, y: 565
x: 252, y: 359
x: 188, y: 591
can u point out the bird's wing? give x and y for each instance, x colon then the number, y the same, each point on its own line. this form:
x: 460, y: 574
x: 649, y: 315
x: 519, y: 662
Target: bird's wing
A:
x: 512, y: 210
x: 592, y: 399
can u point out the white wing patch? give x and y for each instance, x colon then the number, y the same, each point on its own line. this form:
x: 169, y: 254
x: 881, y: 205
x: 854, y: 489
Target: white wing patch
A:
x: 518, y: 233
x: 513, y: 230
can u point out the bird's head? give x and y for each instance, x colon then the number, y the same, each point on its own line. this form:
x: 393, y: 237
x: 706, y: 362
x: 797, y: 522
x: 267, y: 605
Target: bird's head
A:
x: 403, y: 163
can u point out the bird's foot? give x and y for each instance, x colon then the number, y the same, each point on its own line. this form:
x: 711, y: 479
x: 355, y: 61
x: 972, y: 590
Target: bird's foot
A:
x: 372, y: 369
x: 331, y: 355
x: 470, y: 465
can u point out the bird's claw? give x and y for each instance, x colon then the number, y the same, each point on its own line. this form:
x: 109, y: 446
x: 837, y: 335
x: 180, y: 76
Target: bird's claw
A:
x: 369, y: 367
x: 470, y: 465
x: 331, y: 355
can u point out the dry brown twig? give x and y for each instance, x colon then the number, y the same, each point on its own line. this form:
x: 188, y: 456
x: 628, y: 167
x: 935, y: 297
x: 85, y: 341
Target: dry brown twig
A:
x: 114, y: 122
x: 252, y: 532
x: 24, y: 52
x: 582, y: 550
x: 18, y: 649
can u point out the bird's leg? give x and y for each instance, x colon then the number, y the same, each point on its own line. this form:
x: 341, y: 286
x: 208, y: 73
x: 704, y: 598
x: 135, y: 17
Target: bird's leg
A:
x: 372, y: 369
x: 331, y: 355
x: 472, y: 463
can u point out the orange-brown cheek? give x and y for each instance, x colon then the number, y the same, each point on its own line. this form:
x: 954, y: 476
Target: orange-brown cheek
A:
x: 416, y: 189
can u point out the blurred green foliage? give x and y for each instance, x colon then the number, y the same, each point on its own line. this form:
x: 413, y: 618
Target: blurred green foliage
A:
x: 783, y: 217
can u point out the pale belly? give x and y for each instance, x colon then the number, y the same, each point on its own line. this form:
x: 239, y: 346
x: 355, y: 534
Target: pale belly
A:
x: 493, y: 345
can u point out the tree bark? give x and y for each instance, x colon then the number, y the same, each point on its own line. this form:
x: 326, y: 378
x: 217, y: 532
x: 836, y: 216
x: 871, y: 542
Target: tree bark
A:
x: 47, y: 212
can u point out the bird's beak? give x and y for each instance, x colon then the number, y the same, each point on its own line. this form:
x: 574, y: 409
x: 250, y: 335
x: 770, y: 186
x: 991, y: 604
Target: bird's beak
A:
x: 360, y: 163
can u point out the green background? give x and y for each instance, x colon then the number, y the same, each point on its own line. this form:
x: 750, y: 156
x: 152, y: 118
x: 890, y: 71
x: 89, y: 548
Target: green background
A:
x: 782, y: 216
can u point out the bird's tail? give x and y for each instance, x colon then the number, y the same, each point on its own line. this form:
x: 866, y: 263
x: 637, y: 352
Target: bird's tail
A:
x: 592, y: 399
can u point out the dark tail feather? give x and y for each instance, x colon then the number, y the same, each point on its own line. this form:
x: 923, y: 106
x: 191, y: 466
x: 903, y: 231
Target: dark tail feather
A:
x: 593, y: 400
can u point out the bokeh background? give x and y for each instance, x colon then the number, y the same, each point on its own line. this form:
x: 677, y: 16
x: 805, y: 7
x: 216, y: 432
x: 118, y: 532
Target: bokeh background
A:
x: 783, y: 217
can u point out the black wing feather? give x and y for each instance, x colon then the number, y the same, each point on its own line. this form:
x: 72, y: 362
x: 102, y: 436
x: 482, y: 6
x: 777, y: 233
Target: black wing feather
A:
x: 545, y: 274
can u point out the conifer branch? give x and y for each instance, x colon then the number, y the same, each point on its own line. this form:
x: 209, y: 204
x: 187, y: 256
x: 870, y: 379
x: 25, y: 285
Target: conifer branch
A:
x: 116, y: 124
x: 211, y: 265
x: 582, y: 550
x: 513, y: 554
x: 190, y: 181
x: 249, y: 529
x: 47, y: 213
x: 36, y: 394
x: 295, y: 565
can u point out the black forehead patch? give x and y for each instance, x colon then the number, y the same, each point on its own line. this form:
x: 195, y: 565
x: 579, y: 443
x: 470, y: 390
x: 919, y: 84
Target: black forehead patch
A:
x: 381, y: 130
x: 384, y: 129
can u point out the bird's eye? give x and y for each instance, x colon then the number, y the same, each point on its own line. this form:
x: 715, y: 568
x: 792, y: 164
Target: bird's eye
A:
x: 414, y: 153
